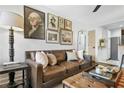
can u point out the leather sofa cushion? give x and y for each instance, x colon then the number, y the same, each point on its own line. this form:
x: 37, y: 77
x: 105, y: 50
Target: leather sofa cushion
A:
x: 85, y: 64
x: 70, y: 66
x: 60, y: 55
x: 52, y: 72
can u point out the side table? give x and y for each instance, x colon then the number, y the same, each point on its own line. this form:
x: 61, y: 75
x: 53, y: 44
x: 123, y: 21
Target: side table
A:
x: 16, y: 67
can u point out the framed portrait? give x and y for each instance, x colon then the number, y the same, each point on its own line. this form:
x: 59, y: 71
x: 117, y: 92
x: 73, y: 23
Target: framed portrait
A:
x: 61, y: 23
x: 34, y: 23
x: 52, y: 22
x: 52, y: 37
x: 66, y: 37
x: 68, y: 24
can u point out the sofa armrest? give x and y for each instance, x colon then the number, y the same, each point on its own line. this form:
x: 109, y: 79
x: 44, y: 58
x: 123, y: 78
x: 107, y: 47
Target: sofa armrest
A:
x: 36, y: 73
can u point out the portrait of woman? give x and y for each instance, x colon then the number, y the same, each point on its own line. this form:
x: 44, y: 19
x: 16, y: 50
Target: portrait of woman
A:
x: 34, y: 27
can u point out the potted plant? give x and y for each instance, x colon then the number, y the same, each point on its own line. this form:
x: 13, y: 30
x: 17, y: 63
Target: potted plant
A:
x: 102, y: 42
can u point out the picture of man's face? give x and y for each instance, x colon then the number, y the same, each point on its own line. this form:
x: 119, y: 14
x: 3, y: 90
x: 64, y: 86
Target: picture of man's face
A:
x: 52, y: 22
x: 34, y: 19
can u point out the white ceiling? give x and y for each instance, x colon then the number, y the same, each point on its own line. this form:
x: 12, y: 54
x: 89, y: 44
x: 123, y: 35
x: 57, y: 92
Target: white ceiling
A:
x: 83, y: 13
x: 116, y: 25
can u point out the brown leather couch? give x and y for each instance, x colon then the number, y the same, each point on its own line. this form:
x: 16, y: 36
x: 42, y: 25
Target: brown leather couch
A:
x: 52, y: 75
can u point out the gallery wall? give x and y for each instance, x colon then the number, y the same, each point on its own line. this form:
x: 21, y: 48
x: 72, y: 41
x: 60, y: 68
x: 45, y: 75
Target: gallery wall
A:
x: 21, y: 44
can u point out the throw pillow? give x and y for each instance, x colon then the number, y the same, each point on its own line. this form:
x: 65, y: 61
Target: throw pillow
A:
x: 32, y: 55
x: 41, y: 58
x: 71, y: 56
x: 80, y: 54
x: 52, y: 59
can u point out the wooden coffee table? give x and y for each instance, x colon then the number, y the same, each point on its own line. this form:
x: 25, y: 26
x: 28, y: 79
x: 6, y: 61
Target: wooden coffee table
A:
x: 82, y: 80
x: 85, y: 80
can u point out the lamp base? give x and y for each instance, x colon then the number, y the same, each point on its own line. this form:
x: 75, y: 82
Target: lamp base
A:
x: 11, y: 85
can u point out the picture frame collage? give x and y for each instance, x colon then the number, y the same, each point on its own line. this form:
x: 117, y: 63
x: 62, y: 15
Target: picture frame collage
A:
x: 59, y: 30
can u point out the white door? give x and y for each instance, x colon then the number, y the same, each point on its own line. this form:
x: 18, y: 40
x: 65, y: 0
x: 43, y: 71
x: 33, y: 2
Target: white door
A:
x: 91, y: 44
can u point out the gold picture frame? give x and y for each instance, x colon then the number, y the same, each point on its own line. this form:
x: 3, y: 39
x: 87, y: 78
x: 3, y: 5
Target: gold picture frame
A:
x: 68, y: 24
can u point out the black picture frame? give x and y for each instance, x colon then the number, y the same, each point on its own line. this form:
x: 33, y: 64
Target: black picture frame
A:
x: 34, y: 29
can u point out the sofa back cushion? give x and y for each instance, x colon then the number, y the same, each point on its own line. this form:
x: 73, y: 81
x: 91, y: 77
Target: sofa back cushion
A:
x: 60, y: 55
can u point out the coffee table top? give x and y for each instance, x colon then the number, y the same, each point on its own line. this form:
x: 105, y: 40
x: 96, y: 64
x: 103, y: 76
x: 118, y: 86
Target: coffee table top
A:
x: 82, y: 80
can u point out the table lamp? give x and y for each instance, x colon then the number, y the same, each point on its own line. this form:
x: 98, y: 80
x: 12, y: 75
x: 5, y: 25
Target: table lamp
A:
x: 12, y: 22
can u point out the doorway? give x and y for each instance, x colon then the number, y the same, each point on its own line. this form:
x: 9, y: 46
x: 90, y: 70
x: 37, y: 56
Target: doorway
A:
x: 91, y: 44
x: 114, y: 48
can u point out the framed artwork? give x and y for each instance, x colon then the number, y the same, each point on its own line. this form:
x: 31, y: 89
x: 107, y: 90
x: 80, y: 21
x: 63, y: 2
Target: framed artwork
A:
x: 52, y: 37
x: 34, y: 23
x: 68, y: 24
x: 52, y: 22
x: 66, y: 37
x: 61, y: 23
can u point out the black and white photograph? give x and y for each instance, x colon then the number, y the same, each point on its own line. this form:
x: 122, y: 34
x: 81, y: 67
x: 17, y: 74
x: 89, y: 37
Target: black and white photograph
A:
x: 52, y: 37
x: 52, y: 22
x: 61, y: 23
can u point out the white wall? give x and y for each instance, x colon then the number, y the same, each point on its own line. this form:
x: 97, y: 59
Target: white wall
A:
x: 101, y: 53
x: 21, y: 44
x: 116, y: 33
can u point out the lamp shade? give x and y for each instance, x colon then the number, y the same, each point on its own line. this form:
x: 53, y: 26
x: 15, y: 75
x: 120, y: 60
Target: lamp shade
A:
x: 9, y: 19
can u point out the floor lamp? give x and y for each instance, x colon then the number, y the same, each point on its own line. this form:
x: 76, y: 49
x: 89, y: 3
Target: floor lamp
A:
x: 12, y: 22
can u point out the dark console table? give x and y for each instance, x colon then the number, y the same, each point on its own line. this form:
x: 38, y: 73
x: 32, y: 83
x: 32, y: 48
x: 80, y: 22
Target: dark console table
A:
x: 16, y: 67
